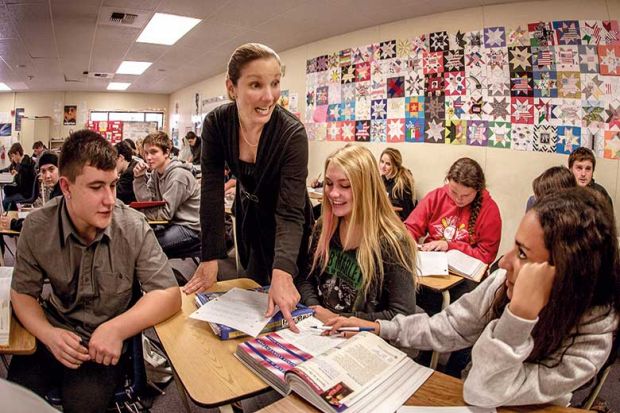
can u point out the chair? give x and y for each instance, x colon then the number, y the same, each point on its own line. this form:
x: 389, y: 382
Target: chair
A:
x: 194, y: 253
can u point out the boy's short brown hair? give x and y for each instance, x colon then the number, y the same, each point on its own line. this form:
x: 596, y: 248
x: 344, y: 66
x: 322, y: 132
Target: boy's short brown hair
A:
x: 159, y: 139
x: 85, y: 148
x: 16, y: 148
x: 581, y: 154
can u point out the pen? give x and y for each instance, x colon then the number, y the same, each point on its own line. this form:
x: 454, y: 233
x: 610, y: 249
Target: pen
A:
x: 353, y: 329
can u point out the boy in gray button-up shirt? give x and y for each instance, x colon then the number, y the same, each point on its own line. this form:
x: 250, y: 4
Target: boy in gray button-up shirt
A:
x: 93, y: 250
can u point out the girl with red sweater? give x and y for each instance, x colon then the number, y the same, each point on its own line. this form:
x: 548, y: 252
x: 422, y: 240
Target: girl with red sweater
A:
x: 459, y: 215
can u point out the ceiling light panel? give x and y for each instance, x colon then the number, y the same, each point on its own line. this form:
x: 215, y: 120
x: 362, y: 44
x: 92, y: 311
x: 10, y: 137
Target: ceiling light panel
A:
x: 4, y: 87
x: 132, y: 68
x: 118, y: 85
x: 166, y: 29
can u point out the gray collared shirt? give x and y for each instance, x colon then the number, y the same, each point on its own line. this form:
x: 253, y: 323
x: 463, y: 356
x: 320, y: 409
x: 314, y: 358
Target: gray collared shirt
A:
x: 90, y: 283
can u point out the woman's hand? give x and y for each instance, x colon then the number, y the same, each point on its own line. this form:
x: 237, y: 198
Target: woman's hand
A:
x: 283, y: 294
x: 339, y: 321
x: 532, y: 289
x: 440, y: 245
x: 322, y: 313
x: 204, y: 277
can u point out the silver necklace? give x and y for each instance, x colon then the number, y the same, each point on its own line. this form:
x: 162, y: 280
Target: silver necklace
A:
x: 244, y: 134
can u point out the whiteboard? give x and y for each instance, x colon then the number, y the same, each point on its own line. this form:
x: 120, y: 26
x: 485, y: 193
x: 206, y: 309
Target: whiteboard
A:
x: 137, y: 130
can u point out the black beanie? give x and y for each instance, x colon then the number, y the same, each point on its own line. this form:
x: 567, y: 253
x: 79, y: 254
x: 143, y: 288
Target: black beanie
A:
x: 47, y: 158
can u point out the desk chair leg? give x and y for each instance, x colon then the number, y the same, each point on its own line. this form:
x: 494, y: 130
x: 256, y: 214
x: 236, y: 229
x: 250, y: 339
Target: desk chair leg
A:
x: 181, y: 391
x: 596, y: 390
x: 237, y: 261
x: 5, y: 361
x: 227, y: 408
x: 445, y: 303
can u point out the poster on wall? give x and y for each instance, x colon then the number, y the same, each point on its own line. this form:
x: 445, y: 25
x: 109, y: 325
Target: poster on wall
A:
x: 5, y: 129
x: 70, y: 115
x: 137, y: 130
x: 111, y: 130
x: 19, y: 114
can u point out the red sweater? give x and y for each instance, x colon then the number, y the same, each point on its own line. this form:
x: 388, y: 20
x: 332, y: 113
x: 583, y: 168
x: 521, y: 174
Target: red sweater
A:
x: 438, y: 215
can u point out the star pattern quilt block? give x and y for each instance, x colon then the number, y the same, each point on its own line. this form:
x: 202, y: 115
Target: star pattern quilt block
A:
x: 414, y: 107
x: 612, y: 144
x: 520, y: 59
x: 378, y: 109
x: 567, y: 32
x: 567, y: 58
x: 521, y: 84
x: 546, y: 84
x: 396, y: 87
x: 541, y: 34
x: 439, y: 41
x: 543, y: 59
x: 362, y: 131
x: 396, y: 108
x: 494, y: 37
x: 569, y: 85
x: 395, y: 130
x: 414, y: 130
x: 588, y: 59
x: 347, y: 131
x: 434, y: 131
x: 456, y: 132
x: 569, y: 139
x: 477, y: 133
x: 333, y: 131
x: 432, y: 62
x: 499, y: 135
x: 378, y: 130
x: 522, y: 110
x: 455, y: 83
x: 609, y: 60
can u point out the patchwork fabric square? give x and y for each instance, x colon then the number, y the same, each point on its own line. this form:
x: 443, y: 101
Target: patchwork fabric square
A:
x: 456, y: 132
x: 520, y: 59
x: 476, y: 81
x: 518, y: 37
x: 455, y: 107
x: 497, y: 58
x: 567, y: 58
x: 347, y: 92
x: 439, y: 41
x: 454, y: 61
x: 455, y: 83
x: 567, y: 32
x: 499, y: 135
x: 593, y: 113
x: 457, y: 40
x: 494, y: 37
x: 414, y: 130
x: 378, y: 129
x: 569, y: 111
x: 543, y: 58
x: 596, y: 32
x: 419, y: 43
x: 522, y: 110
x: 333, y: 60
x: 334, y: 113
x: 541, y: 34
x: 609, y: 60
x: 311, y: 65
x: 474, y: 38
x: 434, y: 85
x: 434, y: 107
x: 473, y: 107
x: 363, y: 54
x: 545, y: 111
x: 362, y: 72
x: 477, y: 133
x: 497, y: 108
x: 434, y: 131
x: 414, y: 84
x: 321, y: 63
x: 387, y: 50
x: 415, y: 63
x: 334, y: 94
x: 522, y: 137
x: 322, y: 95
x: 588, y: 59
x: 345, y: 56
x: 348, y: 110
x: 569, y: 139
x: 474, y: 58
x: 378, y: 109
x: 544, y: 138
x: 414, y: 107
x: 333, y: 131
x: 498, y: 86
x: 521, y: 84
x: 362, y: 131
x: 569, y: 85
x: 396, y: 108
x: 612, y: 144
x: 396, y: 87
x: 395, y: 130
x: 362, y: 108
x: 593, y: 137
x: 595, y: 87
x: 334, y: 75
x: 347, y: 131
x: 432, y: 62
x: 613, y: 115
x: 545, y: 84
x: 378, y: 89
x: 347, y: 74
x: 403, y: 48
x: 320, y: 113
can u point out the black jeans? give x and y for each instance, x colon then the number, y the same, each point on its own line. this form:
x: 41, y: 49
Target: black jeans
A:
x: 176, y: 240
x: 89, y: 388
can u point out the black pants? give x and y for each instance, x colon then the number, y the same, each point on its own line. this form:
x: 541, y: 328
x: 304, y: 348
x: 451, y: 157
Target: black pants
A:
x: 176, y: 240
x: 87, y: 389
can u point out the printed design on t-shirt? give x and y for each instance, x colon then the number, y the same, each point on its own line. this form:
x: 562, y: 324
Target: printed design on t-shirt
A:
x: 341, y: 281
x: 450, y: 230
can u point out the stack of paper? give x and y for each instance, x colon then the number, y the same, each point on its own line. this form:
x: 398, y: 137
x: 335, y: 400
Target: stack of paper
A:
x: 432, y: 263
x: 438, y: 263
x: 6, y: 273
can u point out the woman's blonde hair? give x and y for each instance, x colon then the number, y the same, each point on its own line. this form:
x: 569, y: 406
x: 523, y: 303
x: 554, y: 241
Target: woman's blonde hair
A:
x: 403, y: 178
x: 382, y: 233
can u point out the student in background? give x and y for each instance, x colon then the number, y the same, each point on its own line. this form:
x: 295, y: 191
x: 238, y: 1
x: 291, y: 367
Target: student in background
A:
x: 266, y: 148
x: 550, y: 181
x: 171, y: 181
x: 362, y: 262
x: 195, y: 144
x: 125, y: 165
x: 459, y: 215
x: 543, y: 326
x: 582, y: 163
x: 398, y: 181
x: 25, y: 175
x: 132, y: 145
x: 93, y: 250
x: 37, y: 149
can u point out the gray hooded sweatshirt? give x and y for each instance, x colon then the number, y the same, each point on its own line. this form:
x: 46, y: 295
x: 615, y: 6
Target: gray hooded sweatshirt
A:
x: 178, y: 187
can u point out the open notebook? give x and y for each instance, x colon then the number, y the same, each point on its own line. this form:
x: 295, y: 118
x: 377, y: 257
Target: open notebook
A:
x: 6, y: 273
x: 438, y: 263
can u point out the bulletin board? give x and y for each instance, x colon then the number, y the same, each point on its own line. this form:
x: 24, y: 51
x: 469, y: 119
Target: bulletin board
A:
x: 137, y: 130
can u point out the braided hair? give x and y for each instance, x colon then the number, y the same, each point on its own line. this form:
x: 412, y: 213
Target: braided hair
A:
x: 467, y: 172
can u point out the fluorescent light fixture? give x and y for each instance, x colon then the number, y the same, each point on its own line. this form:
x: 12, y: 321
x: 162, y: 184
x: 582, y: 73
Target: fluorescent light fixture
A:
x: 166, y: 29
x: 118, y: 85
x: 132, y: 68
x: 3, y: 86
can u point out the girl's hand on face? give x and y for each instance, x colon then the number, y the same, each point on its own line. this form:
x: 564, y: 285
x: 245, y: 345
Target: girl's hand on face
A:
x: 440, y: 245
x: 532, y: 289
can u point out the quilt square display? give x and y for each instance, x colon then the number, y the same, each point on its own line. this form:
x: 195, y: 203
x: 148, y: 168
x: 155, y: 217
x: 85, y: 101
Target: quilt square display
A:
x: 414, y: 130
x: 494, y: 37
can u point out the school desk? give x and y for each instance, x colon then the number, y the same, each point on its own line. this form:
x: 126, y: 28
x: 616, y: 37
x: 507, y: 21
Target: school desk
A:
x: 20, y: 341
x: 438, y: 390
x: 205, y: 366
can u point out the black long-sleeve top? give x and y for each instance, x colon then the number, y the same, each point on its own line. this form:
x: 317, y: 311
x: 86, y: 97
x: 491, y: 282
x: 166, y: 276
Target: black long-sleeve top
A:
x: 272, y: 209
x: 406, y: 201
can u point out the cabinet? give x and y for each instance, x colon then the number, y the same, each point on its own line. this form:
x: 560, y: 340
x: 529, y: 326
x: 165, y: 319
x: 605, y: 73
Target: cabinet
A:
x: 34, y: 129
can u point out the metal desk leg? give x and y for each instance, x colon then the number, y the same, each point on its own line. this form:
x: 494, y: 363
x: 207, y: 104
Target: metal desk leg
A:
x: 237, y: 261
x: 445, y: 303
x: 181, y: 391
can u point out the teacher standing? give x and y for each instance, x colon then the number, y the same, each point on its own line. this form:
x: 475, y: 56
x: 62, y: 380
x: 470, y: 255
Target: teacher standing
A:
x: 266, y: 148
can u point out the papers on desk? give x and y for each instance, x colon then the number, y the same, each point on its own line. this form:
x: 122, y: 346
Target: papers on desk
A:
x: 439, y: 263
x: 243, y: 310
x: 6, y: 178
x: 6, y: 273
x: 451, y: 409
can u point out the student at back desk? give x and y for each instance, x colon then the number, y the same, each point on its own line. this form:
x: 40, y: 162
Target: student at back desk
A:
x: 93, y: 251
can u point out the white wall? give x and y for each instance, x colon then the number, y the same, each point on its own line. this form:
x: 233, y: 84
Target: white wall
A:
x: 509, y: 173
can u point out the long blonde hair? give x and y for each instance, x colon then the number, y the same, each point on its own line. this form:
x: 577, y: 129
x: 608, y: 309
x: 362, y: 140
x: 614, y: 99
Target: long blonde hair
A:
x: 403, y: 178
x: 372, y: 214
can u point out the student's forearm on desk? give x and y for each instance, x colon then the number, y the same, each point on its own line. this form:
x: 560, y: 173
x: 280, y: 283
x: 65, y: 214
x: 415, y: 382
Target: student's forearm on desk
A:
x: 30, y: 314
x: 154, y: 307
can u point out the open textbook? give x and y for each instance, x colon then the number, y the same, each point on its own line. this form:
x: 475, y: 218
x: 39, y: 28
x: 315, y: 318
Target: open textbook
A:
x: 453, y: 261
x: 6, y: 273
x: 361, y: 374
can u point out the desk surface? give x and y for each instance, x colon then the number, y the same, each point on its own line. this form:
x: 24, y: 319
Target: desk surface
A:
x: 440, y: 283
x: 439, y: 390
x: 20, y: 340
x: 12, y: 215
x: 206, y: 365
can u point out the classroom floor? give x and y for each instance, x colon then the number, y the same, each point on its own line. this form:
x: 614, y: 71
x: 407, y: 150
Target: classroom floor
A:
x: 170, y: 401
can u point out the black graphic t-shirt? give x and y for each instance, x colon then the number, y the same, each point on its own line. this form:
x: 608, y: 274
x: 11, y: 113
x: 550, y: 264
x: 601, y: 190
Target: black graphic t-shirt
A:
x: 341, y: 281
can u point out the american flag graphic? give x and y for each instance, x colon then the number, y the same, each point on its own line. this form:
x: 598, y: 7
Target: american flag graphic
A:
x: 520, y: 83
x: 544, y: 58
